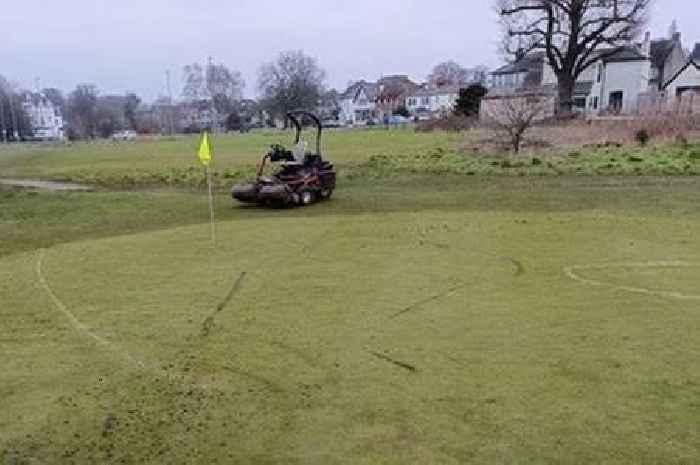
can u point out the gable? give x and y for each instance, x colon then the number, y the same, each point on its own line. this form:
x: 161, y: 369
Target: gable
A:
x: 695, y: 56
x: 691, y: 66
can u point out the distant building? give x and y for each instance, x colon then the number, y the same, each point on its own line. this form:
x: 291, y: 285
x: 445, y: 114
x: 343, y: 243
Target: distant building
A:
x: 358, y: 103
x: 618, y: 82
x: 667, y: 57
x: 200, y: 114
x: 45, y: 118
x: 391, y: 94
x: 429, y: 102
x: 365, y: 102
x: 683, y: 88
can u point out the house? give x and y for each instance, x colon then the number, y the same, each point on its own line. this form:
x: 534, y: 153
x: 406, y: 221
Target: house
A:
x: 667, y: 57
x: 391, y: 93
x: 45, y: 117
x: 364, y: 102
x: 683, y: 88
x: 358, y: 103
x: 200, y: 114
x: 526, y: 72
x: 477, y: 75
x: 427, y: 101
x: 615, y: 83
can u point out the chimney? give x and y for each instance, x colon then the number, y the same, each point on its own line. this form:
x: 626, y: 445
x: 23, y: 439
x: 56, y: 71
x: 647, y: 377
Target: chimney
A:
x: 519, y: 54
x: 646, y: 45
x: 676, y: 37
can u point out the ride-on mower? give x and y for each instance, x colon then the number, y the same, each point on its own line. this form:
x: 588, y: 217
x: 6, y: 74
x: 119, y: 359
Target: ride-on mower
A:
x: 305, y: 177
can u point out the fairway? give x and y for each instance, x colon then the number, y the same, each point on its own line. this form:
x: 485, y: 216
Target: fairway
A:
x: 535, y: 322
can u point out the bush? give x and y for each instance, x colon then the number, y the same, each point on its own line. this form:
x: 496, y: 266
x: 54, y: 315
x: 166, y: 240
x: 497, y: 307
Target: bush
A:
x: 642, y: 137
x: 448, y: 122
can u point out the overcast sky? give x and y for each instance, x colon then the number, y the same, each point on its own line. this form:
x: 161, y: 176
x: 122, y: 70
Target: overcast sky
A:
x: 127, y: 45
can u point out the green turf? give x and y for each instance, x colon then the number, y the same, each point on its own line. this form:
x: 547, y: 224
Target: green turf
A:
x: 411, y: 320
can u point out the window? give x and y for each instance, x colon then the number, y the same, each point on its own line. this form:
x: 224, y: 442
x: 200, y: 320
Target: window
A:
x: 580, y: 103
x: 600, y: 72
x: 595, y: 103
x: 425, y: 101
x: 615, y: 101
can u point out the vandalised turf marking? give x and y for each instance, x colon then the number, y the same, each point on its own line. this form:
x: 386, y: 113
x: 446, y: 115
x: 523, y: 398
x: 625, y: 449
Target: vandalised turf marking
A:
x: 75, y: 323
x: 571, y: 272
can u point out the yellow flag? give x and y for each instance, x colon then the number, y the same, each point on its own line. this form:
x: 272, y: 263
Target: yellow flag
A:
x: 205, y: 152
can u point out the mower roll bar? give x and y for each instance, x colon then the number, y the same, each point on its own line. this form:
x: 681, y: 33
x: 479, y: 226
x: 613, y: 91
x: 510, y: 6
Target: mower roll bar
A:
x: 296, y: 118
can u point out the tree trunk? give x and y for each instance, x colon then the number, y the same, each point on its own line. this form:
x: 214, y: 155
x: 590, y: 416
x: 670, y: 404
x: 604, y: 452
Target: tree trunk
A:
x: 567, y: 85
x: 517, y: 140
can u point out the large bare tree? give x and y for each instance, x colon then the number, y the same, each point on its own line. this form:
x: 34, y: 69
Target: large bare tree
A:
x: 293, y: 81
x: 82, y: 111
x: 449, y: 73
x: 225, y: 87
x: 573, y: 34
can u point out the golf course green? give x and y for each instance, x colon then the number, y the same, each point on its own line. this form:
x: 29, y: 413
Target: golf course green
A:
x: 414, y: 319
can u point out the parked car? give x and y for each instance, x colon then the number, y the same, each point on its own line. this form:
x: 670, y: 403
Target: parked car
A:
x: 397, y: 119
x: 332, y: 124
x: 128, y: 135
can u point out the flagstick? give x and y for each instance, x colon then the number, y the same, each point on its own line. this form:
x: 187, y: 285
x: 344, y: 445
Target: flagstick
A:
x: 211, y: 207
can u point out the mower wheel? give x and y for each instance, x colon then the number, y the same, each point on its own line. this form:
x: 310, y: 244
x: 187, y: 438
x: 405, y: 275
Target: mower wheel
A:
x: 326, y: 193
x: 307, y: 197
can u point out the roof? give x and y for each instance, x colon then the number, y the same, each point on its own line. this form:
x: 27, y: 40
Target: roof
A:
x: 354, y: 89
x: 694, y: 61
x: 395, y: 86
x: 626, y: 53
x: 526, y: 64
x: 431, y: 92
x: 695, y: 56
x: 531, y: 64
x: 660, y: 50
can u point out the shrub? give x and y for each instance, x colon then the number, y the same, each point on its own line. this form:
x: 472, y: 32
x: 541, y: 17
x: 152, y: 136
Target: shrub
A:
x: 642, y: 137
x: 448, y: 122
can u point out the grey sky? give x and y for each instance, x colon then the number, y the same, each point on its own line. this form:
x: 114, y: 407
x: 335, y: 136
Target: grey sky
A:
x: 128, y: 45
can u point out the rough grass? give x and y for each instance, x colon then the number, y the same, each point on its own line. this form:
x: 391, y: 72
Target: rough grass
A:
x: 357, y: 154
x: 172, y: 162
x: 412, y: 320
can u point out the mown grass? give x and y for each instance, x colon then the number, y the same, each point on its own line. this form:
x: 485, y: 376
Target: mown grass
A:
x: 413, y: 319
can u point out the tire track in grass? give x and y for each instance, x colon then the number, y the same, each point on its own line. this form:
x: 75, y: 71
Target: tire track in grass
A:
x: 77, y: 325
x: 571, y: 272
x: 428, y: 300
x: 518, y: 271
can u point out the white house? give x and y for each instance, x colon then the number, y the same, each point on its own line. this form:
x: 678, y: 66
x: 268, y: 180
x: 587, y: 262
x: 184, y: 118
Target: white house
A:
x: 432, y: 101
x: 364, y: 102
x: 683, y: 88
x: 46, y: 119
x: 615, y: 83
x: 358, y: 103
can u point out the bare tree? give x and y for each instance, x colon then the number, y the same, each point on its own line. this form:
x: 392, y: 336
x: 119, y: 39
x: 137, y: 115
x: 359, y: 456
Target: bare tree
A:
x: 131, y: 106
x: 573, y: 34
x: 194, y: 88
x: 55, y: 96
x: 513, y: 116
x: 14, y: 119
x: 449, y: 73
x: 224, y: 86
x: 82, y: 111
x: 293, y: 81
